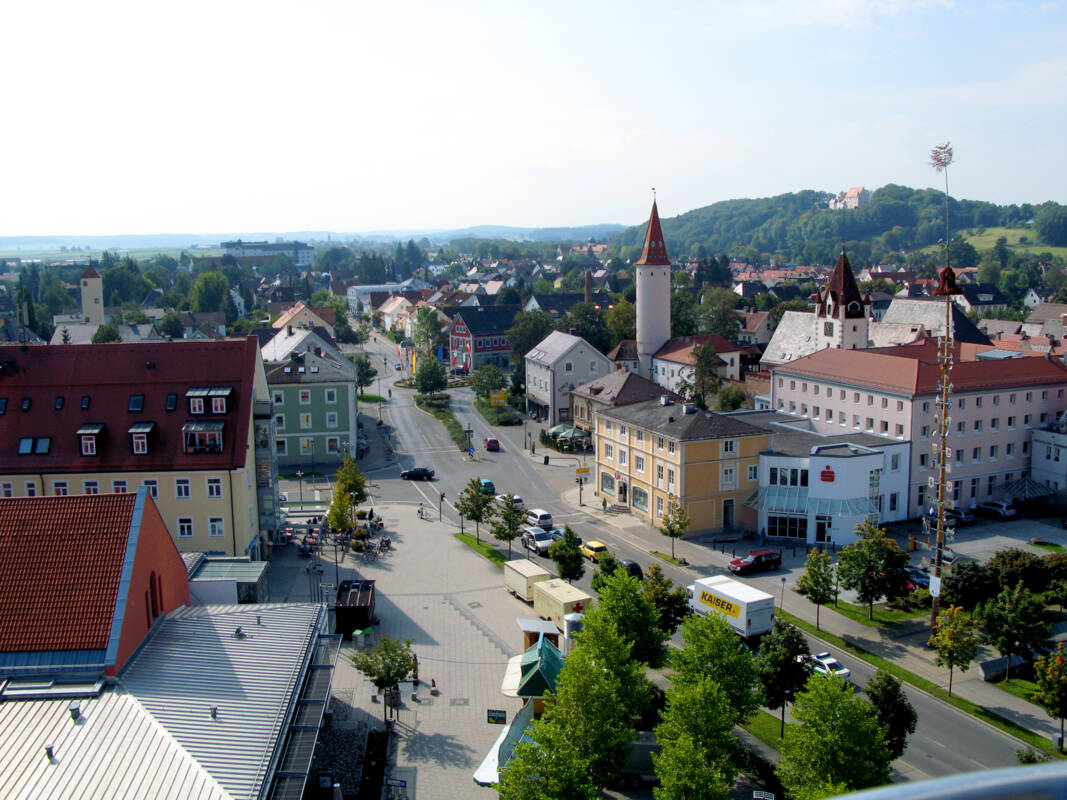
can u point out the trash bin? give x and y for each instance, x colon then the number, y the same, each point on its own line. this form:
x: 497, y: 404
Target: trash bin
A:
x: 546, y: 461
x: 912, y: 544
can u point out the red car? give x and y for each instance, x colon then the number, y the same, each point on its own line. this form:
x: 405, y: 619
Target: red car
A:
x: 756, y: 561
x: 492, y: 443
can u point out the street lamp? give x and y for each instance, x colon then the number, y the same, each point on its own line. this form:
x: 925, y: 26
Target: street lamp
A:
x: 379, y: 399
x: 300, y: 482
x: 782, y: 601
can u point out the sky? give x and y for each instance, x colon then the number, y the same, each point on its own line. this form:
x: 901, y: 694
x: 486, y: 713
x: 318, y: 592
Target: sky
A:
x: 202, y: 116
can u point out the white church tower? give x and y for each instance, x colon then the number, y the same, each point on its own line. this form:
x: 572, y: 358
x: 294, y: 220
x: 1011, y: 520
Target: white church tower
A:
x: 653, y: 295
x: 92, y: 296
x: 842, y: 318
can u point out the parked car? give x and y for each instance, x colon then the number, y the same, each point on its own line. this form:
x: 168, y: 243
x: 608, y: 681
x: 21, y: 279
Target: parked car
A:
x: 537, y: 540
x: 756, y: 561
x: 633, y: 569
x: 826, y: 664
x: 399, y: 367
x: 492, y: 444
x: 539, y: 517
x: 557, y: 534
x: 418, y: 474
x: 502, y: 498
x: 488, y: 486
x: 953, y: 517
x: 918, y: 578
x: 593, y: 549
x: 998, y: 509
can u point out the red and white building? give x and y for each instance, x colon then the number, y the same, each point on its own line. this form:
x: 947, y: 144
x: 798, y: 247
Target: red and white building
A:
x: 479, y: 336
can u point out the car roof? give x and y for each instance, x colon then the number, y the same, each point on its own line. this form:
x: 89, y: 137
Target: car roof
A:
x: 595, y: 543
x: 763, y: 552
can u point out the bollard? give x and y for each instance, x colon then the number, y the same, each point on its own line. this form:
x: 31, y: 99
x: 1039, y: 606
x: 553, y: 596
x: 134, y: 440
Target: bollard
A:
x: 546, y: 461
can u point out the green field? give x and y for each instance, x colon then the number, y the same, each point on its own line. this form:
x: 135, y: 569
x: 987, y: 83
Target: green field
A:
x: 984, y: 241
x: 137, y: 254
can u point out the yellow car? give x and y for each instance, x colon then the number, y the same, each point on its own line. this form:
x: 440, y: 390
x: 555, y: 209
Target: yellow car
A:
x: 593, y: 549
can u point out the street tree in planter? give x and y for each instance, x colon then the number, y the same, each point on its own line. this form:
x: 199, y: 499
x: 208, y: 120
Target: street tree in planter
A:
x: 874, y: 566
x: 487, y: 378
x: 783, y: 666
x: 1051, y: 694
x: 430, y: 377
x: 386, y: 664
x: 675, y: 523
x: 473, y: 505
x: 506, y: 521
x: 818, y: 580
x: 955, y: 639
x: 567, y: 555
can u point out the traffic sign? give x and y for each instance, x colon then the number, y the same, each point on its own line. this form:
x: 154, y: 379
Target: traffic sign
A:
x: 581, y: 471
x: 498, y: 397
x: 497, y: 717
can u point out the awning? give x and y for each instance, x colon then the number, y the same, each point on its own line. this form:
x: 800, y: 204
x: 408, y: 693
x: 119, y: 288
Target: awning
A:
x: 200, y: 426
x: 90, y: 429
x: 796, y: 500
x: 220, y: 391
x: 201, y: 391
x: 509, y: 687
x: 142, y: 427
x: 1027, y: 489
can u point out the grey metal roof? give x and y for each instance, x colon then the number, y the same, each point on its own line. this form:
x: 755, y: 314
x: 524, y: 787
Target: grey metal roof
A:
x: 240, y: 571
x: 792, y: 339
x: 117, y: 750
x: 792, y: 436
x: 930, y: 313
x: 672, y: 421
x: 554, y: 346
x: 195, y: 661
x: 192, y: 561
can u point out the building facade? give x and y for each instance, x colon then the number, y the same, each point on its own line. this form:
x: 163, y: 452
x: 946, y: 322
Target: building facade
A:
x: 315, y: 410
x: 653, y: 295
x: 559, y: 363
x: 479, y: 336
x: 303, y: 255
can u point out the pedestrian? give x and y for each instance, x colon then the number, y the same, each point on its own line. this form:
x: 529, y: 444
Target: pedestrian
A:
x: 370, y: 514
x: 420, y: 510
x: 604, y: 503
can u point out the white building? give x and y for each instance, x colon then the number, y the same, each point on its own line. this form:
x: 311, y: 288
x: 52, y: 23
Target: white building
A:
x: 303, y: 255
x: 555, y: 366
x: 653, y: 295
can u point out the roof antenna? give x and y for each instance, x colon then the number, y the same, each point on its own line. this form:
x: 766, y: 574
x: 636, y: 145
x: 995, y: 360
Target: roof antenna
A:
x: 653, y: 194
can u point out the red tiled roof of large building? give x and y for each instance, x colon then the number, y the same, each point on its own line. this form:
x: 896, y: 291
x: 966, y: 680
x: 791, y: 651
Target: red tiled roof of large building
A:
x: 913, y: 369
x: 61, y: 561
x: 50, y: 392
x: 751, y: 320
x: 680, y: 348
x: 654, y: 252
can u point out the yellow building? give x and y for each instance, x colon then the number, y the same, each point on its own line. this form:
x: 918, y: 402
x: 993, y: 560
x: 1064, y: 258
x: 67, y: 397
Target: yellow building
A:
x: 189, y: 420
x: 652, y: 453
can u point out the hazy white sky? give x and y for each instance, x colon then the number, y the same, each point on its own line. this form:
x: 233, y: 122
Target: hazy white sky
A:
x: 225, y: 115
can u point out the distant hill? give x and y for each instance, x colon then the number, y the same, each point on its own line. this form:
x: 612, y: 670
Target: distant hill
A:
x: 799, y: 227
x: 581, y: 233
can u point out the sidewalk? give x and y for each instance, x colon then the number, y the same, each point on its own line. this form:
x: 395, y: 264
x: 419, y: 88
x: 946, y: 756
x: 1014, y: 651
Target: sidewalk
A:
x: 904, y: 646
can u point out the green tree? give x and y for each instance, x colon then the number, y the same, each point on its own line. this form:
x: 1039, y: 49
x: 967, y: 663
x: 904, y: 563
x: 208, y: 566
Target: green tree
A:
x: 1012, y: 565
x: 604, y: 644
x: 675, y: 523
x: 837, y: 745
x: 696, y: 737
x: 818, y: 580
x: 427, y: 331
x: 106, y: 334
x: 731, y: 398
x: 1001, y: 252
x: 606, y: 564
x: 487, y: 378
x: 209, y: 292
x: 684, y: 321
x: 170, y: 324
x: 527, y: 329
x: 895, y: 714
x: 718, y: 313
x: 955, y: 638
x: 1013, y: 623
x: 547, y: 767
x: 508, y: 296
x: 622, y: 321
x: 874, y: 566
x: 970, y: 584
x: 671, y: 602
x: 704, y: 378
x: 711, y: 646
x: 783, y: 666
x: 385, y: 664
x: 350, y: 481
x: 588, y: 321
x: 473, y: 505
x: 430, y: 377
x: 1050, y: 222
x: 342, y: 512
x: 566, y: 554
x: 506, y: 521
x: 620, y: 598
x: 365, y: 373
x: 1051, y: 694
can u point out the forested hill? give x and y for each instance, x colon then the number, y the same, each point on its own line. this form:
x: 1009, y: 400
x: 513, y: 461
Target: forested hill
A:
x: 800, y: 228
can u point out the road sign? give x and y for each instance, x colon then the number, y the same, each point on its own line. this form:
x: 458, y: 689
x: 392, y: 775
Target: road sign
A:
x: 498, y: 397
x: 496, y: 716
x: 935, y: 586
x: 581, y: 471
x: 395, y: 782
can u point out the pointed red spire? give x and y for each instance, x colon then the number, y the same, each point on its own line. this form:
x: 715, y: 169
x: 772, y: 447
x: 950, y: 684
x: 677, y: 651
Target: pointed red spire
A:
x: 90, y: 272
x: 842, y: 289
x: 654, y: 253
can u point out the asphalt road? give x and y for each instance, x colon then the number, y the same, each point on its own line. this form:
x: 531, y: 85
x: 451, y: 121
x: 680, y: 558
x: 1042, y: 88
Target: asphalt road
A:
x: 945, y: 742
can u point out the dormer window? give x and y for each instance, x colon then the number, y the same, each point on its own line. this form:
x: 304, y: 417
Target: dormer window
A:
x: 87, y: 435
x: 136, y: 403
x: 139, y: 433
x: 172, y: 402
x: 203, y: 436
x: 85, y: 402
x: 220, y: 399
x: 25, y: 404
x: 59, y: 403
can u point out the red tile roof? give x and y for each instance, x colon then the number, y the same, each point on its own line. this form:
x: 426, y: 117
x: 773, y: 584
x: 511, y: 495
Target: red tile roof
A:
x: 680, y: 348
x: 90, y: 272
x: 108, y: 374
x: 654, y: 252
x: 843, y: 291
x: 912, y: 369
x: 61, y: 561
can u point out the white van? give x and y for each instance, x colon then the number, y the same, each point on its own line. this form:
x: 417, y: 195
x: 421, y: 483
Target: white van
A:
x: 539, y: 517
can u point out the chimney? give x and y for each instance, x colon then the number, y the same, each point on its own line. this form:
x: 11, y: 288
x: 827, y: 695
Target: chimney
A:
x: 75, y: 710
x: 49, y: 753
x: 588, y: 286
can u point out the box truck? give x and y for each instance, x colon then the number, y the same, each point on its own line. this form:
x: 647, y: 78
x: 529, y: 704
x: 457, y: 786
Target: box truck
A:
x: 746, y: 609
x: 556, y: 598
x: 521, y: 575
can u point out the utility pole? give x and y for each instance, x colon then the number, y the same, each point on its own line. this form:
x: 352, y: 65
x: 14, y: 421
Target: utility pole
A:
x: 300, y: 483
x: 440, y: 507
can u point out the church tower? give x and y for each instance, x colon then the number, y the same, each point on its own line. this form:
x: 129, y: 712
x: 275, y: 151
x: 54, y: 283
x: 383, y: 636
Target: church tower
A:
x: 92, y: 296
x: 653, y: 295
x: 842, y: 318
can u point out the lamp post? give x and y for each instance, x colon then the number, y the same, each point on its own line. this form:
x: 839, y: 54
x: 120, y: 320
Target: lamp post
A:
x: 379, y: 399
x: 440, y: 506
x: 781, y: 602
x: 300, y: 483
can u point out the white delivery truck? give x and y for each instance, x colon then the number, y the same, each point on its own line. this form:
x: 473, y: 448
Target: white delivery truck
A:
x: 521, y: 575
x: 746, y: 609
x: 556, y: 598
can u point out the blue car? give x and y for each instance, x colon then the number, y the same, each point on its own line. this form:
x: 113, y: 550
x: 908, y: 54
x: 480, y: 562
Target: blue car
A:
x: 918, y: 578
x: 487, y: 486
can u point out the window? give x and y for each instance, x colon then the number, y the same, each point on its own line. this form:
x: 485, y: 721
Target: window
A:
x: 307, y: 446
x: 218, y: 405
x: 7, y: 489
x: 152, y: 485
x: 1029, y: 397
x: 1026, y: 420
x: 59, y: 403
x: 976, y: 455
x: 841, y: 418
x: 870, y: 423
x: 91, y: 487
x: 25, y: 445
x: 670, y: 480
x: 659, y: 476
x: 607, y: 425
x: 994, y: 424
x: 622, y: 429
x: 922, y: 460
x: 639, y: 464
x: 978, y: 426
x: 622, y: 457
x: 216, y: 528
x: 1011, y: 399
x: 894, y: 462
x: 88, y: 445
x: 815, y: 411
x: 996, y: 399
x: 1026, y: 448
x: 893, y: 501
x: 59, y: 487
x: 1044, y: 417
x: 331, y: 395
x: 31, y: 489
x: 305, y: 421
x: 993, y: 452
x: 85, y: 402
x: 959, y: 455
x: 279, y: 398
x: 729, y: 446
x: 883, y: 427
x: 670, y: 447
x: 978, y: 402
x: 196, y: 405
x: 885, y: 402
x: 962, y: 403
x: 792, y: 384
x: 136, y: 403
x: 924, y: 432
x: 305, y: 397
x: 1011, y: 423
x: 961, y: 428
x: 855, y: 397
x: 753, y: 472
x: 25, y: 404
x: 172, y: 402
x: 639, y: 497
x: 870, y: 400
x: 333, y: 445
x: 842, y: 394
x: 926, y: 408
x: 118, y: 486
x: 607, y: 483
x: 729, y: 477
x: 214, y: 487
x: 331, y: 419
x: 280, y: 447
x: 659, y: 507
x: 1044, y: 395
x: 1009, y: 449
x: 279, y: 422
x: 900, y: 405
x: 989, y: 485
x: 185, y: 527
x: 140, y: 443
x: 568, y: 366
x: 609, y: 451
x: 974, y: 488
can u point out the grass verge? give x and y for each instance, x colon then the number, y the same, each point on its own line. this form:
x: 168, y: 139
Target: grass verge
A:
x: 678, y: 562
x: 1050, y: 546
x: 1018, y: 687
x: 883, y: 615
x: 983, y: 713
x: 497, y: 415
x: 483, y: 548
x: 765, y: 727
x: 438, y: 408
x: 371, y: 398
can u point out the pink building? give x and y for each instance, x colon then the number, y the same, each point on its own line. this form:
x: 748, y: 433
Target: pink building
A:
x: 997, y: 403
